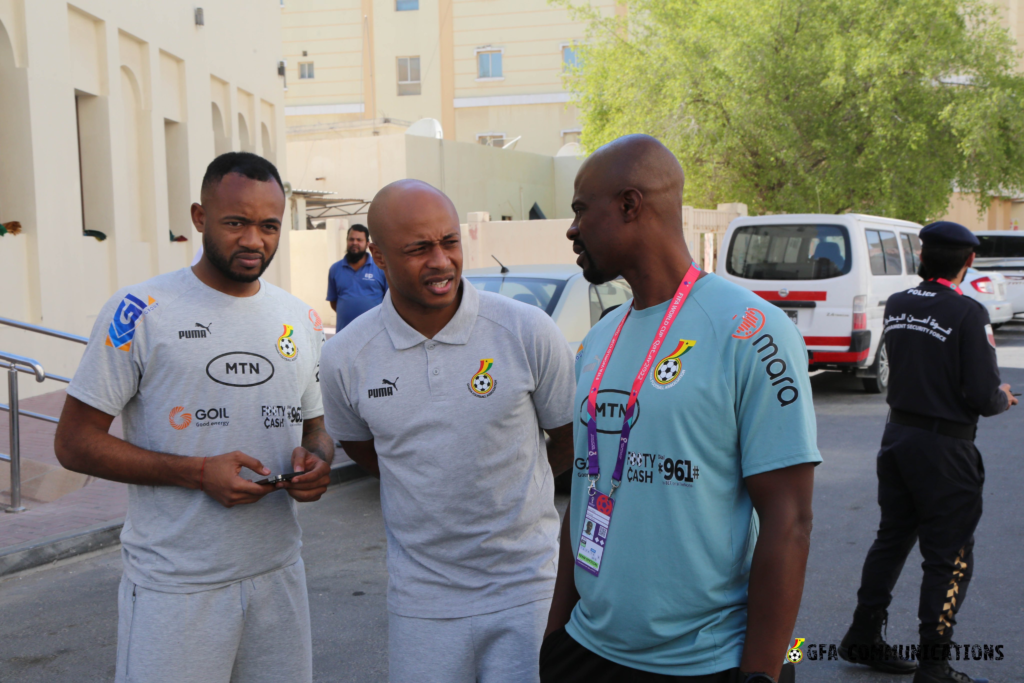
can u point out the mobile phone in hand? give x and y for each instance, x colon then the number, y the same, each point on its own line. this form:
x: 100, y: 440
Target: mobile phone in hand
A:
x: 279, y: 478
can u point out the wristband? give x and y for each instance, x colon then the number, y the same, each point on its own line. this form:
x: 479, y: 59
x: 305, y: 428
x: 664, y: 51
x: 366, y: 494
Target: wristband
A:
x: 757, y: 677
x: 202, y: 468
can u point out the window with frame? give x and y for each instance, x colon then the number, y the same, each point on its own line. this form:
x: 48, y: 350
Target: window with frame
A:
x: 570, y: 136
x: 408, y: 75
x: 608, y: 296
x: 911, y: 256
x: 406, y: 5
x: 489, y: 65
x: 883, y: 252
x: 491, y: 139
x: 305, y: 70
x: 570, y: 57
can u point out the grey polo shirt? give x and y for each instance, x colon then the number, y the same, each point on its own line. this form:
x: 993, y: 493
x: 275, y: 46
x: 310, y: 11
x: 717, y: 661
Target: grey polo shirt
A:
x: 466, y: 488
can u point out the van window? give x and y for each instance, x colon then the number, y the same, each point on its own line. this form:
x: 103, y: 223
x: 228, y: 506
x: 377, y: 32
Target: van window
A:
x: 911, y: 256
x: 883, y: 252
x: 789, y: 252
x: 608, y: 295
x: 1000, y: 246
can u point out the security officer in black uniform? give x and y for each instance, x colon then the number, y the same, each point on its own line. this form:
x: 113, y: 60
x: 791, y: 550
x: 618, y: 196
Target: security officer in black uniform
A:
x: 943, y: 375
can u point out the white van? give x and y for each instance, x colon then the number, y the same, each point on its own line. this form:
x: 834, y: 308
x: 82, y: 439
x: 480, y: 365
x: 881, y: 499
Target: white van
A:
x: 832, y: 274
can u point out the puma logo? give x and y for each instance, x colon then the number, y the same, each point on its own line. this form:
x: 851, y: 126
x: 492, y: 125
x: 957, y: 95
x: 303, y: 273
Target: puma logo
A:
x: 393, y: 384
x: 206, y: 327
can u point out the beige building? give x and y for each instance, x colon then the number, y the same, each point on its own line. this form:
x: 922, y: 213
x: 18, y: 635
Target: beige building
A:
x: 490, y: 71
x: 111, y: 111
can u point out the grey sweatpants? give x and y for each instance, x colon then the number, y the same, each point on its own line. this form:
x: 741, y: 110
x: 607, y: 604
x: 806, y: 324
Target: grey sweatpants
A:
x: 501, y: 647
x: 253, y: 631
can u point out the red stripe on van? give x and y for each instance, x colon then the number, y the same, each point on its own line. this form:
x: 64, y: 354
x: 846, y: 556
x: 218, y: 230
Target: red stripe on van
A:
x: 792, y: 296
x: 839, y: 356
x: 827, y: 341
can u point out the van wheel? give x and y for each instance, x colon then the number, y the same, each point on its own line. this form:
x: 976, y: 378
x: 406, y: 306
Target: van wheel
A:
x: 879, y: 382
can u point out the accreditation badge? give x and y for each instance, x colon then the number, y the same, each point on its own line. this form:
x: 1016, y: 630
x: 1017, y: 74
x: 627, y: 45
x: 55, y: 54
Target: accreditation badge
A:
x: 595, y: 532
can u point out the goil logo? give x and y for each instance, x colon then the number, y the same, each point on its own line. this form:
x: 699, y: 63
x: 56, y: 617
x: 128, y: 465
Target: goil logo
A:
x: 751, y: 324
x: 795, y: 655
x: 179, y: 418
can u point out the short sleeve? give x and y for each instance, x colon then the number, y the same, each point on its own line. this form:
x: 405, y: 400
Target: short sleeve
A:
x: 110, y: 370
x: 332, y: 292
x: 774, y: 406
x: 979, y: 367
x: 341, y: 419
x: 552, y: 364
x: 312, y: 400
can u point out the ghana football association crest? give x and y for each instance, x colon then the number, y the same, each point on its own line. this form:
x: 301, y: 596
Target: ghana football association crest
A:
x: 482, y: 384
x: 669, y: 370
x: 286, y: 345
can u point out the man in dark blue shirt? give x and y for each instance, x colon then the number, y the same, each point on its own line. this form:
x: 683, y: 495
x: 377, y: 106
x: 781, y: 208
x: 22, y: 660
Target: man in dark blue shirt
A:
x: 355, y: 284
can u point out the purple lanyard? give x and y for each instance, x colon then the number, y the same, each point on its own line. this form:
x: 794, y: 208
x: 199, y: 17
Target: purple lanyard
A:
x: 666, y: 323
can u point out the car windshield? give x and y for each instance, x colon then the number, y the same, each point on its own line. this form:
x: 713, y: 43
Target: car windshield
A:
x: 538, y: 292
x: 789, y: 252
x: 1000, y: 246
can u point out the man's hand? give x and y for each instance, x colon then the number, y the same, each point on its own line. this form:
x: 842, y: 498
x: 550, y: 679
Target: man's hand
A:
x: 313, y: 483
x: 1009, y: 395
x: 221, y: 481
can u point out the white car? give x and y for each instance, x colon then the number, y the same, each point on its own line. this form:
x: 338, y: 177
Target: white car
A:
x: 989, y: 288
x: 1002, y: 251
x: 560, y: 290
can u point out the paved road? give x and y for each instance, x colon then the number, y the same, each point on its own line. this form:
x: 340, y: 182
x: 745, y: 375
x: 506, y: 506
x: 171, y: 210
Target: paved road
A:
x: 58, y: 624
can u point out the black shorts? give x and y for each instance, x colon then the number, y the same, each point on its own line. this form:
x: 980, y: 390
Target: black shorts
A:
x: 563, y: 660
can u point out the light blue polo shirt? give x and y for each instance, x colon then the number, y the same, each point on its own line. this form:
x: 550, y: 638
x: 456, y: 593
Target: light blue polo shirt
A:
x: 355, y: 291
x: 729, y: 397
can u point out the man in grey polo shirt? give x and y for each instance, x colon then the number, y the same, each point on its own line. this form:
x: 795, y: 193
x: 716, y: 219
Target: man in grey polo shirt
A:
x: 442, y: 391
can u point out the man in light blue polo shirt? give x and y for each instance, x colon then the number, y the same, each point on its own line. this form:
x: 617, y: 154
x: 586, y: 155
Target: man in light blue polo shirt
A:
x: 355, y: 284
x: 684, y: 583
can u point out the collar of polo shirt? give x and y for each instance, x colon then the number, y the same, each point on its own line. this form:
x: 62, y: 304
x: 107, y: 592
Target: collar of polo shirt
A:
x: 457, y: 331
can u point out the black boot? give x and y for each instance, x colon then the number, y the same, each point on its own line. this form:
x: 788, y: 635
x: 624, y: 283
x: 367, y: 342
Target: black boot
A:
x: 864, y: 644
x: 935, y: 667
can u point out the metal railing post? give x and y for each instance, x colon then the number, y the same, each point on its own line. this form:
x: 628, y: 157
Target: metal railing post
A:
x: 12, y: 396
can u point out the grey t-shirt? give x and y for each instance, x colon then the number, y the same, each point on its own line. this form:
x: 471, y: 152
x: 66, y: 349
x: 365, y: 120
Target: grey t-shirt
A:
x: 466, y: 488
x: 199, y: 373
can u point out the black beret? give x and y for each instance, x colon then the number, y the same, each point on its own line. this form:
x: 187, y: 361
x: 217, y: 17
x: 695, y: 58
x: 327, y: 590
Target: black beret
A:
x: 948, y: 232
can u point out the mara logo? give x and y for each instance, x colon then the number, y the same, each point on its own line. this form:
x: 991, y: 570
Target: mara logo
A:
x: 126, y: 318
x: 795, y: 655
x: 286, y: 345
x: 179, y: 418
x: 240, y: 369
x: 201, y: 333
x: 314, y: 318
x: 482, y: 384
x: 775, y: 368
x: 611, y: 411
x: 668, y: 372
x: 387, y: 388
x: 751, y: 323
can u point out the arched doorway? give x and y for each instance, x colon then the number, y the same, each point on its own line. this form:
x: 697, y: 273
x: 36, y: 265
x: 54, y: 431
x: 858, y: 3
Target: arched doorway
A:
x: 221, y: 141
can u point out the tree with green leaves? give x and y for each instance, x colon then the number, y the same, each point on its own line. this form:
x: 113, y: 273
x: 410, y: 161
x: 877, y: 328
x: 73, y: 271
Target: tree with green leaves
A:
x: 873, y: 106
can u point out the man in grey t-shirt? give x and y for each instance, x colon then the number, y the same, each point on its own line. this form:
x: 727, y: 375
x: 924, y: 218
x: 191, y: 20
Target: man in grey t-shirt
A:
x: 216, y: 375
x: 442, y: 391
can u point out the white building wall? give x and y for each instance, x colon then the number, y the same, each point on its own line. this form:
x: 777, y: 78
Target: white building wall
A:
x: 129, y: 82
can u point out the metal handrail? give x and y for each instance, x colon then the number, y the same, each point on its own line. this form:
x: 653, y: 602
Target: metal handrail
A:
x: 57, y: 378
x: 12, y: 391
x: 44, y: 330
x: 15, y: 364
